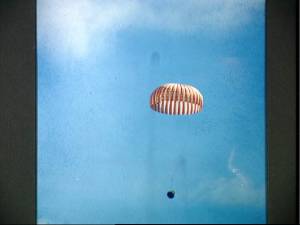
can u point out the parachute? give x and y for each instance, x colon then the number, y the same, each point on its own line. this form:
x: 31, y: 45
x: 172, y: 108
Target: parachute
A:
x: 176, y: 99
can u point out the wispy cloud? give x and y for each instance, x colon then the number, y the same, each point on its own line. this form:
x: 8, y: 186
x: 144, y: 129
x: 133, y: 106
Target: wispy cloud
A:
x: 231, y: 61
x: 43, y: 221
x: 232, y: 190
x: 235, y: 171
x: 68, y: 26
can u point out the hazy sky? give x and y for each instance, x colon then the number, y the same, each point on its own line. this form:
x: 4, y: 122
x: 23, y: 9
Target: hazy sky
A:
x: 105, y: 157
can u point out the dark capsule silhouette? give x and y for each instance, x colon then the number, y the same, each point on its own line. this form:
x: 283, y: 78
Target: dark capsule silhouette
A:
x: 171, y: 194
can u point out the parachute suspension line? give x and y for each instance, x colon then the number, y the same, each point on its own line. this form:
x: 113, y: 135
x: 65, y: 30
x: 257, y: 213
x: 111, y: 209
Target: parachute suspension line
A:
x: 175, y: 170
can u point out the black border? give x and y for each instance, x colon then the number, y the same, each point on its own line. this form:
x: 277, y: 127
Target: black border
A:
x: 281, y: 95
x: 18, y: 111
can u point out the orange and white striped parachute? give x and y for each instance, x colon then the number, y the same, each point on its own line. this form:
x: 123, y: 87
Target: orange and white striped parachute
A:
x: 176, y: 99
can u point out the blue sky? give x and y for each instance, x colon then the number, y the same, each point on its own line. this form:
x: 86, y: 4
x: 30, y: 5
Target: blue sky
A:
x: 105, y: 157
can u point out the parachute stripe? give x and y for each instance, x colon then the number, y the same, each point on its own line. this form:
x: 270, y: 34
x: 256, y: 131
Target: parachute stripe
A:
x: 171, y: 102
x: 188, y: 100
x: 167, y: 97
x: 174, y: 100
x: 183, y: 101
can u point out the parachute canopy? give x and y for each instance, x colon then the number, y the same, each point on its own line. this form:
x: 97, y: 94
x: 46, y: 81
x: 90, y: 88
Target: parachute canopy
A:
x: 176, y: 99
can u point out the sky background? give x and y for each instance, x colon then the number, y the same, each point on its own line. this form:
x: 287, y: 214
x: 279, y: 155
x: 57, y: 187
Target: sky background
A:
x: 105, y: 157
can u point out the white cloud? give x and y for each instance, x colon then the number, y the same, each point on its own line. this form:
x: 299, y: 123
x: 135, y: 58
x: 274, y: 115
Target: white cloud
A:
x: 235, y: 171
x: 69, y: 25
x: 233, y: 190
x: 231, y: 61
x: 43, y: 221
